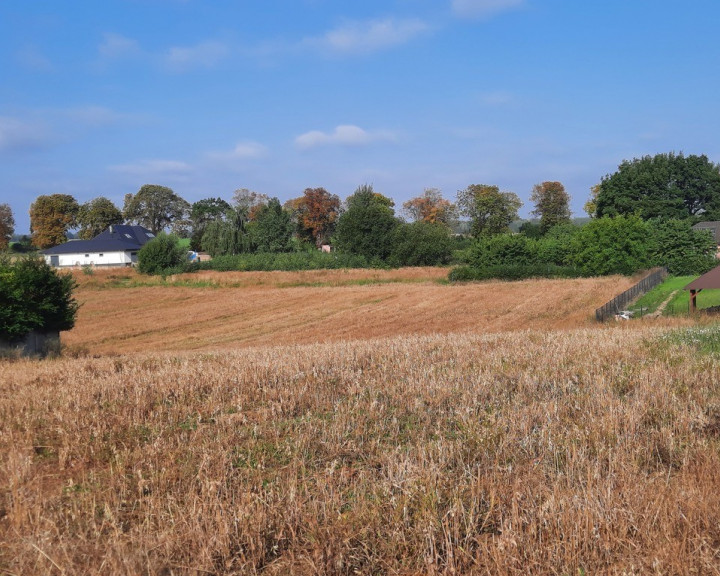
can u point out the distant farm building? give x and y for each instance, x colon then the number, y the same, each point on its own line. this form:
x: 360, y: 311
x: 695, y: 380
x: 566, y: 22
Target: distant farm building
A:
x: 713, y: 228
x: 116, y: 246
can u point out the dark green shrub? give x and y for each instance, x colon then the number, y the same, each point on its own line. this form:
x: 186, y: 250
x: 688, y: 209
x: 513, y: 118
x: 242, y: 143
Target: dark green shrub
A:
x: 421, y: 244
x: 513, y: 272
x: 34, y: 297
x: 681, y: 249
x: 619, y: 245
x: 161, y: 254
x: 503, y: 249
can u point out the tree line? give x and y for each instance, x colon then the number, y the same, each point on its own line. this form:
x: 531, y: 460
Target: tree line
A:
x: 665, y: 194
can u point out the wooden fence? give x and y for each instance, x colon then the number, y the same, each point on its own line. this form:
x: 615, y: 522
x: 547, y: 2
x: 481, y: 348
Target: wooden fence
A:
x: 617, y: 304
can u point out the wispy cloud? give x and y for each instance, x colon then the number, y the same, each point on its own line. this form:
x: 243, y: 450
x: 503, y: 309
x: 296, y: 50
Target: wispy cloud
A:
x: 203, y: 55
x: 152, y: 168
x: 483, y: 8
x: 17, y: 135
x: 236, y: 159
x: 496, y: 98
x: 94, y: 116
x: 369, y: 36
x: 118, y: 46
x: 33, y: 59
x: 345, y: 135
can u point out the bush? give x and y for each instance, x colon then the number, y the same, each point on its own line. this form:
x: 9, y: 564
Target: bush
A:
x: 555, y: 247
x: 513, y: 272
x: 619, y: 245
x: 34, y: 297
x: 421, y: 244
x: 503, y: 249
x: 681, y: 249
x: 290, y: 261
x: 161, y: 254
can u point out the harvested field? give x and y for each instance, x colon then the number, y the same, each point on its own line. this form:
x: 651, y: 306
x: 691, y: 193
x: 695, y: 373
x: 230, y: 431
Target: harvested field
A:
x: 585, y: 451
x: 230, y: 310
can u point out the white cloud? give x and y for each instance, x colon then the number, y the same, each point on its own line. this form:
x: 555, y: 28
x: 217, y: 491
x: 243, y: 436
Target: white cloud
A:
x: 345, y: 135
x: 17, y: 135
x: 148, y: 168
x: 242, y: 151
x: 118, y: 46
x: 203, y: 55
x: 483, y: 8
x: 365, y: 37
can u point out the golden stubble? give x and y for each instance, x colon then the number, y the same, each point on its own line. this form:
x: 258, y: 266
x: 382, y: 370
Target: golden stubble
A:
x: 535, y: 451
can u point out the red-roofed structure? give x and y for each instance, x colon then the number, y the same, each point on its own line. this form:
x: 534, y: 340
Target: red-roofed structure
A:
x: 707, y: 281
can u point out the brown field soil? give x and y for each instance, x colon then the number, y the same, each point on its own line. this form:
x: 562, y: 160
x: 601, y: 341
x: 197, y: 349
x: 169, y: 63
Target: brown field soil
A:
x: 123, y: 312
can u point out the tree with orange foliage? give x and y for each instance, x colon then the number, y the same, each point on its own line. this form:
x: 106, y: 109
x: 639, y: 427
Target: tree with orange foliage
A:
x: 50, y: 219
x: 431, y: 207
x: 250, y: 202
x: 317, y: 213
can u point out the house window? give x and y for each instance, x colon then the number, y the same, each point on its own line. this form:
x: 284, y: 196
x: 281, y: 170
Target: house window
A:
x: 87, y: 255
x: 101, y: 255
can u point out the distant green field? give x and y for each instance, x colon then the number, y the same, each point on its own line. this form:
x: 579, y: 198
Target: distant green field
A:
x: 680, y: 303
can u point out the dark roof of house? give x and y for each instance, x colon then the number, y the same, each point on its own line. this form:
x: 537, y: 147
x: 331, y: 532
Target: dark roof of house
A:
x: 707, y: 281
x: 117, y: 238
x: 714, y: 227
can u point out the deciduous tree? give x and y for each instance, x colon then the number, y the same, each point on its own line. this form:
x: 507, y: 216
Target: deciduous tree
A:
x: 662, y: 186
x: 490, y: 210
x: 156, y: 207
x: 7, y: 226
x: 366, y: 227
x: 431, y: 207
x: 272, y: 229
x: 552, y: 204
x: 96, y: 215
x: 249, y: 201
x: 202, y: 213
x: 317, y: 215
x: 50, y: 219
x: 227, y: 237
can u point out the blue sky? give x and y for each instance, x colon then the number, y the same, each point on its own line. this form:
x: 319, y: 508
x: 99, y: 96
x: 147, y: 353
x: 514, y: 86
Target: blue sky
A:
x: 208, y: 96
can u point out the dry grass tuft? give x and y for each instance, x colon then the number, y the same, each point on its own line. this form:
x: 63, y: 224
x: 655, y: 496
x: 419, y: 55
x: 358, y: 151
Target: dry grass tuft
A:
x: 581, y: 451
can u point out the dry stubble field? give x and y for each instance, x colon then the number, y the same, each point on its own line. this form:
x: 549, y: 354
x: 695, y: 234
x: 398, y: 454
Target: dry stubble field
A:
x: 479, y: 429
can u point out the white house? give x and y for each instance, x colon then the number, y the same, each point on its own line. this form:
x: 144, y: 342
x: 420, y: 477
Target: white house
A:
x: 117, y: 246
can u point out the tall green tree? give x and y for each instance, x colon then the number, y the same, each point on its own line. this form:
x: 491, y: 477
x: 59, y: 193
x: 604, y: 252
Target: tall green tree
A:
x: 156, y: 208
x: 662, y: 186
x: 552, y: 204
x: 490, y: 210
x: 367, y: 225
x: 272, y: 229
x: 97, y: 215
x: 7, y: 226
x: 51, y: 217
x: 227, y: 237
x: 202, y: 213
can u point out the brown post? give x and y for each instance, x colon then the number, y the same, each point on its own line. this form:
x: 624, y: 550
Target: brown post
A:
x: 693, y: 303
